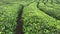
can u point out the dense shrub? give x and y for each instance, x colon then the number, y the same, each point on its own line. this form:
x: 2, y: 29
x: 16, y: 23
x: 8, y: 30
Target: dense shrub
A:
x: 8, y: 17
x: 38, y: 17
x: 37, y: 22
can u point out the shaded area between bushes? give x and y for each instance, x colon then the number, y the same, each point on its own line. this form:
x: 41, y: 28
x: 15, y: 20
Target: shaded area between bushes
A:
x: 19, y: 22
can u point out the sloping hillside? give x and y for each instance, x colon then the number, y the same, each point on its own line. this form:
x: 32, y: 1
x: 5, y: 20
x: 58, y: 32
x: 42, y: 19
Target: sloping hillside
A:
x: 29, y: 16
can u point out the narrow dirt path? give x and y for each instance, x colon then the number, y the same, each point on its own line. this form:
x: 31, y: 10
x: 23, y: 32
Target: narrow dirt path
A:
x: 19, y: 22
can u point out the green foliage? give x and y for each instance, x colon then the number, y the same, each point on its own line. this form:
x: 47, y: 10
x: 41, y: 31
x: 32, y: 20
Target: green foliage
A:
x: 38, y: 22
x: 39, y: 16
x: 53, y: 9
x: 8, y: 17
